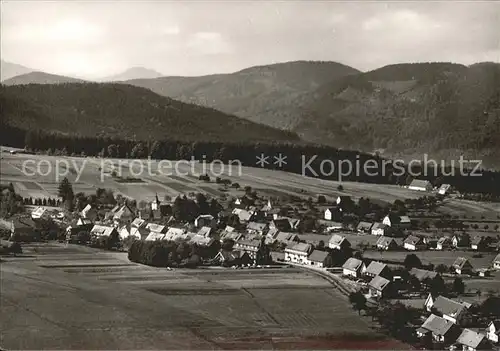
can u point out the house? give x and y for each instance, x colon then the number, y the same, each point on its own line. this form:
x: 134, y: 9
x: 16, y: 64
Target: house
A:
x: 493, y: 331
x: 353, y: 267
x: 422, y: 274
x: 429, y: 302
x: 89, y: 212
x: 387, y: 243
x: 462, y: 266
x: 484, y: 272
x: 318, y: 258
x: 376, y: 268
x: 338, y: 242
x: 243, y: 202
x: 379, y: 287
x: 21, y: 229
x: 379, y: 229
x: 420, y: 185
x: 478, y: 243
x: 460, y: 240
x: 205, y: 220
x: 414, y: 243
x: 472, y: 341
x: 496, y: 262
x: 124, y: 215
x: 175, y: 232
x: 157, y: 228
x: 103, y: 230
x: 84, y: 221
x: 395, y: 221
x: 333, y: 214
x: 155, y: 204
x: 294, y: 223
x: 440, y: 329
x: 267, y: 207
x: 250, y: 246
x: 298, y: 253
x: 243, y: 215
x: 256, y: 228
x: 230, y: 234
x: 444, y: 189
x: 202, y: 241
x: 39, y: 212
x: 232, y: 258
x: 205, y: 231
x: 287, y: 238
x: 330, y: 225
x: 282, y: 224
x: 453, y: 311
x: 444, y: 243
x: 364, y: 227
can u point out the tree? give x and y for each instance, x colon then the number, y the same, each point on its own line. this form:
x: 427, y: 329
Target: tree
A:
x: 441, y: 268
x: 321, y: 199
x: 340, y: 187
x: 321, y: 245
x: 227, y: 244
x: 201, y: 200
x: 358, y: 301
x: 412, y: 261
x: 458, y: 286
x: 65, y: 190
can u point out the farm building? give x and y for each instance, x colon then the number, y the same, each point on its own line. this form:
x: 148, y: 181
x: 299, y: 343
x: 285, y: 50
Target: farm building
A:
x: 338, y: 242
x: 89, y: 212
x: 379, y: 287
x: 395, y: 221
x: 414, y: 243
x: 422, y: 274
x: 462, y: 266
x: 376, y: 268
x: 379, y: 229
x: 479, y: 242
x: 298, y: 253
x: 333, y: 214
x: 387, y: 243
x: 205, y: 220
x: 472, y: 341
x: 493, y: 331
x: 318, y: 258
x: 364, y: 227
x: 440, y: 329
x: 453, y: 311
x: 460, y: 240
x: 443, y: 243
x: 420, y: 185
x: 353, y: 267
x: 444, y: 189
x: 496, y: 262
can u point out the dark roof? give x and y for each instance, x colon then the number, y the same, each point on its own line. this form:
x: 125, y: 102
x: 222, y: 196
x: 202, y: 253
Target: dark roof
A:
x: 448, y: 307
x: 470, y: 338
x: 413, y: 239
x: 352, y: 264
x: 318, y: 256
x: 437, y: 325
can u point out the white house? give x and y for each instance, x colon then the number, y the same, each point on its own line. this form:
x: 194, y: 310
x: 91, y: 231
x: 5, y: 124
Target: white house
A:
x: 379, y: 286
x: 493, y: 331
x: 462, y: 266
x: 379, y: 229
x: 332, y: 213
x: 420, y: 185
x: 338, y: 242
x: 451, y: 310
x: 353, y: 267
x: 318, y: 258
x: 443, y: 243
x: 102, y: 230
x: 386, y: 243
x: 443, y: 189
x: 496, y: 262
x: 414, y: 243
x: 441, y: 329
x: 298, y: 253
x: 472, y: 341
x: 155, y: 205
x: 395, y: 221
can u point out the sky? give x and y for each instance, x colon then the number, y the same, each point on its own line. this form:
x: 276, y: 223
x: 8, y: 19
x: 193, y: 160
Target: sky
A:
x: 92, y: 39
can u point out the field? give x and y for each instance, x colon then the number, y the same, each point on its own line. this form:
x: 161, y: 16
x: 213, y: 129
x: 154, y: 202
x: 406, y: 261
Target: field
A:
x: 70, y: 297
x: 37, y: 176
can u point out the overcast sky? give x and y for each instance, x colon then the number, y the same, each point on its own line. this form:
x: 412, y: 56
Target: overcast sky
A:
x: 100, y: 38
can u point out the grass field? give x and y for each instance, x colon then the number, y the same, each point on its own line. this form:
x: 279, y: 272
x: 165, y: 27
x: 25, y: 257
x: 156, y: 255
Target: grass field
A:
x: 38, y: 178
x: 70, y: 297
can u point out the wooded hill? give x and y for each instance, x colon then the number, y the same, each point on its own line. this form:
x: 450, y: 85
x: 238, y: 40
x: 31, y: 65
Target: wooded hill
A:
x: 124, y: 112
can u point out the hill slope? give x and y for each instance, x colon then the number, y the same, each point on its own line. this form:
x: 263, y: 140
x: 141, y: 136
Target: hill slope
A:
x: 125, y: 111
x: 40, y: 78
x: 133, y: 73
x: 262, y: 94
x: 441, y: 109
x: 9, y: 70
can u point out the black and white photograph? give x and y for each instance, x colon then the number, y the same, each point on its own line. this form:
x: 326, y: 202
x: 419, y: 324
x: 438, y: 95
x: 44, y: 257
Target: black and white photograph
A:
x: 249, y: 175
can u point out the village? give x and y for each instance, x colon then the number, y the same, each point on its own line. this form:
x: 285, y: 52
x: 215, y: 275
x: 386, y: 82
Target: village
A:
x: 442, y: 274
